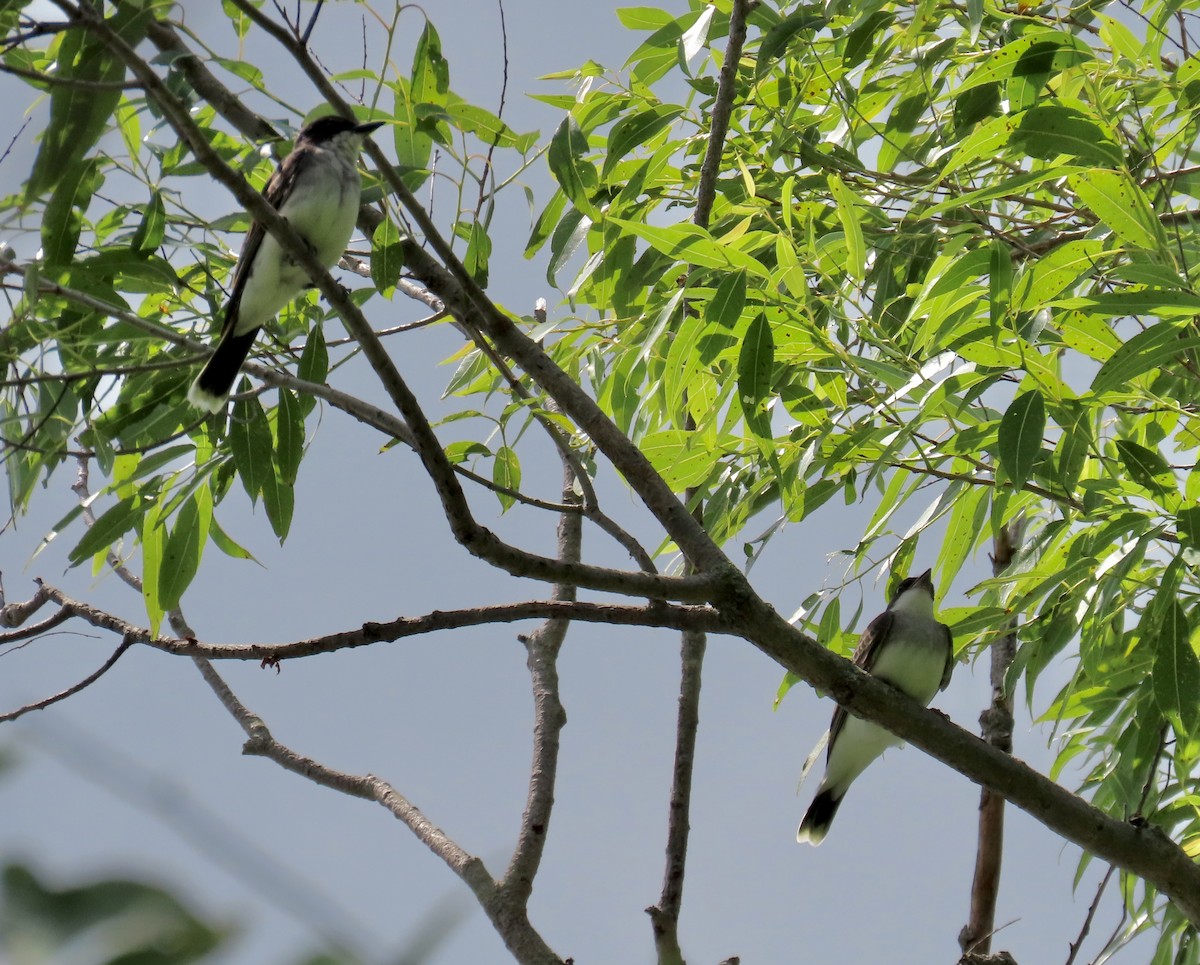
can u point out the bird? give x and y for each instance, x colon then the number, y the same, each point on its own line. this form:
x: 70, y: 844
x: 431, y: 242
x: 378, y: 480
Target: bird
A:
x: 317, y: 189
x: 906, y: 647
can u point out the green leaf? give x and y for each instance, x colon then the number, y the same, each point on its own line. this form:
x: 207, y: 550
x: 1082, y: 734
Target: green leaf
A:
x: 251, y: 443
x: 279, y: 500
x: 1036, y: 55
x: 1119, y: 203
x: 1020, y: 437
x: 482, y: 123
x: 506, y: 472
x: 1146, y: 467
x: 479, y: 250
x: 62, y: 219
x: 227, y: 544
x: 691, y: 244
x: 783, y: 35
x: 1163, y: 302
x: 682, y: 458
x: 430, y: 70
x: 966, y: 526
x: 114, y: 523
x: 725, y: 307
x: 643, y: 18
x: 314, y: 364
x: 568, y: 235
x: 181, y: 554
x: 545, y: 224
x: 153, y: 537
x: 152, y: 229
x: 80, y: 113
x: 633, y: 130
x: 756, y: 365
x: 1088, y: 335
x: 1075, y: 445
x: 999, y: 284
x: 387, y: 257
x: 1176, y: 674
x: 289, y: 436
x: 847, y: 212
x: 574, y: 174
x: 412, y: 141
x: 1156, y: 346
x: 1047, y: 131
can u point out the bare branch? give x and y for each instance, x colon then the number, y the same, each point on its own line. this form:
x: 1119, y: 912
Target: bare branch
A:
x: 654, y: 615
x: 86, y: 682
x: 549, y: 717
x: 60, y: 616
x: 15, y: 614
x: 664, y: 917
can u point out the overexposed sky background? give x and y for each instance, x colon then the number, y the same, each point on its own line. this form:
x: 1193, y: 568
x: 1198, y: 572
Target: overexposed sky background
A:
x: 141, y: 775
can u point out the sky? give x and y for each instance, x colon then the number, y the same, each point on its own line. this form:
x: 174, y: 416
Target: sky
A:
x: 142, y: 775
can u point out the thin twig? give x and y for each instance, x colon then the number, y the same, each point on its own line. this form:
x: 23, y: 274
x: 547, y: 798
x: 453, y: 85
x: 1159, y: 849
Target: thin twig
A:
x: 1091, y: 914
x: 86, y: 682
x: 487, y: 161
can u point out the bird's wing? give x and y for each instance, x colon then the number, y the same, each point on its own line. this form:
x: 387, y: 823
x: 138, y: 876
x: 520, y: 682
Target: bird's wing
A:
x: 279, y: 186
x: 864, y: 658
x: 949, y: 669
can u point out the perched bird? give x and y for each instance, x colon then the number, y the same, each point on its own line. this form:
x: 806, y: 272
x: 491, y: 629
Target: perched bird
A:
x: 317, y: 189
x: 906, y: 647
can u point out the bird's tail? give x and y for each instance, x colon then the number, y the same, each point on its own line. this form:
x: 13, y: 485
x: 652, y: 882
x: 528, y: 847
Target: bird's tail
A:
x: 819, y: 817
x: 216, y: 379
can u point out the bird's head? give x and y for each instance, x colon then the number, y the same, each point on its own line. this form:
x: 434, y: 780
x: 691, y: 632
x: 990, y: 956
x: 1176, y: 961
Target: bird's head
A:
x: 914, y: 595
x: 334, y: 131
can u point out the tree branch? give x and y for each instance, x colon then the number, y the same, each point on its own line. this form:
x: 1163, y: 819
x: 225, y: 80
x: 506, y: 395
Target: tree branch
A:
x: 15, y: 614
x: 542, y: 647
x: 86, y: 682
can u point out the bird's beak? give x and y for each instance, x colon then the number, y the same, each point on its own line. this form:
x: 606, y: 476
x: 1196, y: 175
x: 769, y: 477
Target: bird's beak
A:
x: 368, y: 127
x: 926, y: 580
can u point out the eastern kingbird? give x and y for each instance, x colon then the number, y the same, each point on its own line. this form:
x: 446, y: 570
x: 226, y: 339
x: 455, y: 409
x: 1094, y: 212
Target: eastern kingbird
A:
x: 906, y: 647
x: 317, y: 189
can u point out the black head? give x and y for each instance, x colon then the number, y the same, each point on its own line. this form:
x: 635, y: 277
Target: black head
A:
x: 325, y: 129
x: 924, y: 581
